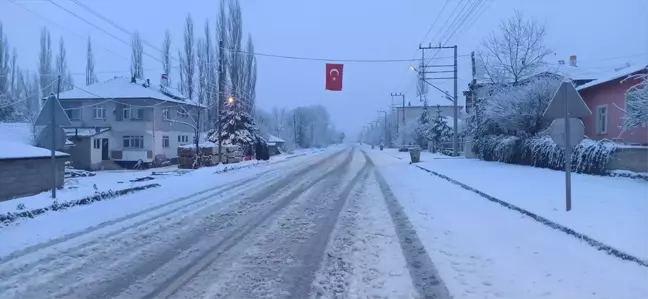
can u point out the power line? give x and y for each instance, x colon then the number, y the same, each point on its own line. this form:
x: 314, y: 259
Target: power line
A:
x: 461, y: 21
x: 435, y: 20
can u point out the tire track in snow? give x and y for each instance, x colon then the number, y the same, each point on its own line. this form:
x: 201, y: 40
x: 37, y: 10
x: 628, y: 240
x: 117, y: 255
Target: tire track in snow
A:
x: 169, y: 287
x: 424, y: 274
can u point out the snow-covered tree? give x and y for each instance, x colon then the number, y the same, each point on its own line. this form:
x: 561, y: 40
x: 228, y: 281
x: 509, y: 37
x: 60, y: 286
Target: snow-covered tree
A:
x: 137, y: 56
x: 91, y: 77
x: 238, y: 127
x: 423, y: 126
x: 439, y: 130
x: 6, y: 103
x: 189, y: 58
x: 514, y: 53
x: 166, y: 55
x: 636, y: 112
x: 62, y: 68
x: 249, y: 75
x: 210, y: 80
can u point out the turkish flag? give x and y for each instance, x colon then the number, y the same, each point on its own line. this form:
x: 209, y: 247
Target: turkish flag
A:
x: 334, y: 76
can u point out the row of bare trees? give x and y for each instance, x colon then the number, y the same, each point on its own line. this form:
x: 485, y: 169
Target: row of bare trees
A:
x: 201, y: 56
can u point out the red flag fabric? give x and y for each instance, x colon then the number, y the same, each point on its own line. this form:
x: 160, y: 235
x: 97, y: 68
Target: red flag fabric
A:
x: 334, y: 76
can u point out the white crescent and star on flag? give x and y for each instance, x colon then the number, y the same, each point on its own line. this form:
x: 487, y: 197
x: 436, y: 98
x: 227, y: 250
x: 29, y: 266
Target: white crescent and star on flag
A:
x: 337, y: 74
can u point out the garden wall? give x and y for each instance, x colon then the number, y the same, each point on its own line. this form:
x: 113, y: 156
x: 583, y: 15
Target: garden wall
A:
x: 633, y: 159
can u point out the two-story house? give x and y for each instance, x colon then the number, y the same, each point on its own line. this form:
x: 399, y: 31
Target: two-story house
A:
x: 124, y: 121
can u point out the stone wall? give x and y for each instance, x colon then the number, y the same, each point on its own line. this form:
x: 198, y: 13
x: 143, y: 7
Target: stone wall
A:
x: 629, y: 158
x: 23, y: 177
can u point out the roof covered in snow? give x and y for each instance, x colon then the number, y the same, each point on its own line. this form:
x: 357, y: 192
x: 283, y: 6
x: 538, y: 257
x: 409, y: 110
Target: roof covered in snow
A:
x: 16, y: 150
x: 275, y: 139
x: 617, y: 74
x: 17, y: 141
x: 122, y: 88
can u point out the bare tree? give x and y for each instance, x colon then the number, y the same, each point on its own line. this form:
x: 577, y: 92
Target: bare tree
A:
x: 202, y: 70
x: 62, y: 67
x: 514, y: 53
x: 46, y: 77
x: 250, y: 76
x: 181, y: 85
x: 210, y: 68
x: 166, y: 54
x: 137, y: 59
x: 91, y: 77
x: 189, y: 66
x: 236, y: 62
x: 6, y: 104
x: 221, y: 39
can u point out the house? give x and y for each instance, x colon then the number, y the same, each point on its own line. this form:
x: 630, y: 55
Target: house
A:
x: 123, y: 121
x: 26, y: 169
x: 606, y: 98
x: 404, y: 116
x: 275, y: 145
x: 579, y: 76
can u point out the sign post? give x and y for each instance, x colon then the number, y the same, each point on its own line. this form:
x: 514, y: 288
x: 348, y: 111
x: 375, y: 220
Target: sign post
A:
x: 53, y: 116
x: 567, y: 130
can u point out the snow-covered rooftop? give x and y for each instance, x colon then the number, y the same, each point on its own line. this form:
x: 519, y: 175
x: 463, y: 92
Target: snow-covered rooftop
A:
x: 614, y: 75
x: 84, y: 132
x: 274, y: 139
x: 122, y: 88
x: 17, y: 150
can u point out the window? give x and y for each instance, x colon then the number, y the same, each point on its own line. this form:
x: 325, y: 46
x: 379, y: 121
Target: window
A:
x: 138, y: 113
x: 133, y: 141
x: 183, y: 139
x: 165, y: 141
x: 601, y: 119
x: 73, y: 113
x: 99, y: 112
x: 165, y: 114
x: 96, y: 143
x: 127, y: 112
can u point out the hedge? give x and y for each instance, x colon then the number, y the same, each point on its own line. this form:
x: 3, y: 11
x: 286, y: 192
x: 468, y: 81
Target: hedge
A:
x: 589, y: 156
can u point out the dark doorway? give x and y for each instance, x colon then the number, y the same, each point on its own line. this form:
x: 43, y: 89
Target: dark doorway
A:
x: 104, y: 149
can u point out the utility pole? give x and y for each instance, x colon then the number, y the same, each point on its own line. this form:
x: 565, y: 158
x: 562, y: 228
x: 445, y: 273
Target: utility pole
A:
x: 472, y: 86
x: 221, y: 98
x: 53, y: 145
x: 423, y: 73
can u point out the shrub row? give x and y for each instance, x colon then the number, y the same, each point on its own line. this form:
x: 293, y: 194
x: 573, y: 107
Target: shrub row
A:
x: 589, y: 156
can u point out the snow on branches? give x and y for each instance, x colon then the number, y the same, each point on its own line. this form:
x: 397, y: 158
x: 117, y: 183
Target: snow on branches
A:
x: 238, y: 127
x: 636, y: 103
x: 516, y: 109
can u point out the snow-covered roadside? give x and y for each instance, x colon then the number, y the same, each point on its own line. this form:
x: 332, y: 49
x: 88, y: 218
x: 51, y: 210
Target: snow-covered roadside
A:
x: 484, y: 250
x: 54, y: 225
x: 113, y: 180
x: 608, y: 209
x: 364, y: 258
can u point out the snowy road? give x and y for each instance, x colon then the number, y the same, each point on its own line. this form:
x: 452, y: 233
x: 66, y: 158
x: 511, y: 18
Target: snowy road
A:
x: 315, y: 229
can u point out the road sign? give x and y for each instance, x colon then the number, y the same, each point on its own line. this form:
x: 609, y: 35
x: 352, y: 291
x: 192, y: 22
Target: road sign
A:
x: 576, y: 132
x: 52, y: 137
x: 567, y: 130
x: 52, y: 115
x: 567, y: 101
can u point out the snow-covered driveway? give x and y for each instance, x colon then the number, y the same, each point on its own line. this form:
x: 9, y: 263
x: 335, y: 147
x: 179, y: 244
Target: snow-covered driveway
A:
x: 318, y: 227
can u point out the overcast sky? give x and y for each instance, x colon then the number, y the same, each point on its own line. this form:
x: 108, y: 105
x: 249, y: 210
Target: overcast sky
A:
x: 603, y: 34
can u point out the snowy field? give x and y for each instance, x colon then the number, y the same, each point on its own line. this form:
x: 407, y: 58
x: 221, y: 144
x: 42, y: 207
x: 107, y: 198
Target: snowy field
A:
x: 484, y: 250
x: 30, y: 232
x: 609, y: 209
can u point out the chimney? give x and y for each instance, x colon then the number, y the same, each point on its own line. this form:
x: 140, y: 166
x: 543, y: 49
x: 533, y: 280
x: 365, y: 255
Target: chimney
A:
x: 133, y: 79
x: 164, y: 80
x: 409, y: 103
x: 148, y: 83
x: 572, y: 60
x: 561, y: 62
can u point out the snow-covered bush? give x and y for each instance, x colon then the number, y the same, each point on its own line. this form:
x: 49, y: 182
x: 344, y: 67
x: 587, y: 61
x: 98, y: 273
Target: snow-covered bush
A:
x: 636, y: 112
x: 540, y: 151
x: 439, y: 130
x: 239, y: 127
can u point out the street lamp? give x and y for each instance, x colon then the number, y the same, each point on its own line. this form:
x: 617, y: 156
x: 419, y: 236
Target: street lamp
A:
x: 231, y: 100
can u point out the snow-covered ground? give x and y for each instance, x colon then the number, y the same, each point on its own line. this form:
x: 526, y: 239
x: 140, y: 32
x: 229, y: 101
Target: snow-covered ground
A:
x: 80, y: 187
x: 612, y: 210
x: 484, y: 250
x: 173, y: 193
